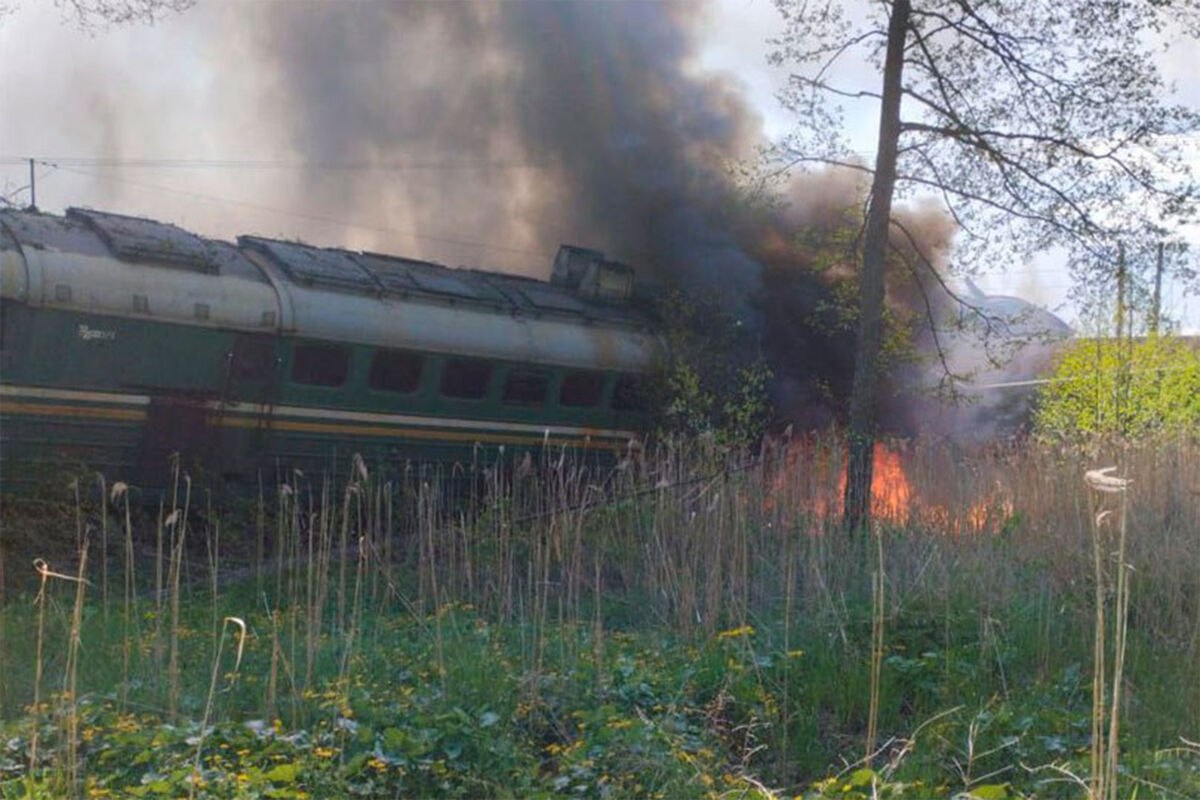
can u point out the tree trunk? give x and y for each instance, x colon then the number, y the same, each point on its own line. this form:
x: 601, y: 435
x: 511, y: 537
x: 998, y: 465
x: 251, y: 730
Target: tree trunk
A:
x: 864, y: 400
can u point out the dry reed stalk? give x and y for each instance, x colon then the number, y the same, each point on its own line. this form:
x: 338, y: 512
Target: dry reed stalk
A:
x: 178, y: 524
x: 103, y: 544
x: 71, y: 674
x: 343, y: 541
x: 789, y: 596
x: 293, y: 541
x: 121, y: 490
x: 272, y: 687
x: 260, y: 524
x: 284, y: 499
x: 212, y: 693
x: 598, y: 624
x: 44, y: 575
x: 430, y: 559
x: 1105, y: 749
x: 319, y: 546
x: 212, y: 544
x: 877, y: 630
x: 36, y: 709
x: 1120, y: 644
x: 352, y: 634
x: 389, y: 555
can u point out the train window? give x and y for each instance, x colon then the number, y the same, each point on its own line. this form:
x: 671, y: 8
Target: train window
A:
x: 396, y: 371
x: 525, y: 387
x: 630, y: 394
x: 581, y: 389
x: 320, y: 364
x: 466, y: 378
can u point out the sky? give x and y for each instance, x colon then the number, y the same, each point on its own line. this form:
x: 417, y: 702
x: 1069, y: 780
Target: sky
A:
x: 192, y: 116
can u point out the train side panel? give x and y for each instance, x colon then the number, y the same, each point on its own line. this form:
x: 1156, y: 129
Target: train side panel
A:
x: 124, y: 342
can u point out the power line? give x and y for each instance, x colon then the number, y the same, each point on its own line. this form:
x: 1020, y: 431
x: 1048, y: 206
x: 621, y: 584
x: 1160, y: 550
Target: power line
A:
x: 302, y: 215
x: 276, y: 164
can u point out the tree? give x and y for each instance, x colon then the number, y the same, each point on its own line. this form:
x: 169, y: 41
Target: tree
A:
x: 1039, y: 124
x: 1121, y: 387
x: 91, y: 14
x: 712, y: 382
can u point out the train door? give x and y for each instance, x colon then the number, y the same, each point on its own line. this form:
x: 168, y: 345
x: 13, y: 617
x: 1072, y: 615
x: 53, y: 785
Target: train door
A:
x: 250, y: 390
x: 175, y: 424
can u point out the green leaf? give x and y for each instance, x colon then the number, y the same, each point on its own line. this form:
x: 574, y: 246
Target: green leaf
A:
x: 990, y: 791
x: 284, y: 773
x: 862, y: 777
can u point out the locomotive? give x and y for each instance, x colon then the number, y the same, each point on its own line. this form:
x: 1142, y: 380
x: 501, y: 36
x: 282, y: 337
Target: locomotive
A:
x: 125, y: 341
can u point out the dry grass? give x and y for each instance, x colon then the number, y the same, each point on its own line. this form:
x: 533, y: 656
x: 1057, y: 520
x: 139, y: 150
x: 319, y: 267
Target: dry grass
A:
x: 689, y: 541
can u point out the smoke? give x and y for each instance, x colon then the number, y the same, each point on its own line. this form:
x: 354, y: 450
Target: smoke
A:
x: 520, y: 125
x: 485, y: 133
x: 512, y: 125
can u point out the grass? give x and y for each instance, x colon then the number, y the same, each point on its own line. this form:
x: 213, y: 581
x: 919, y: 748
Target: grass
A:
x: 691, y: 625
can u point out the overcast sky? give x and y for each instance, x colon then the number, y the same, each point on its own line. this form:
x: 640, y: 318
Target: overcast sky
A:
x: 189, y: 89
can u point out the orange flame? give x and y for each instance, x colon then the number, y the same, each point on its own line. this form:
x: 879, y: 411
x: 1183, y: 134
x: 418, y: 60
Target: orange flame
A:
x: 890, y: 492
x: 893, y: 498
x: 891, y: 495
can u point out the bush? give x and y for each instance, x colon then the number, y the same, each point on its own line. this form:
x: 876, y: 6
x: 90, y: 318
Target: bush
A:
x: 713, y: 381
x: 1119, y: 387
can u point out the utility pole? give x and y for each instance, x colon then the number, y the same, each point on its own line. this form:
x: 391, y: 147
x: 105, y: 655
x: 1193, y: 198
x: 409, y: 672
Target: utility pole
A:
x: 1120, y: 320
x: 32, y: 187
x: 1156, y: 308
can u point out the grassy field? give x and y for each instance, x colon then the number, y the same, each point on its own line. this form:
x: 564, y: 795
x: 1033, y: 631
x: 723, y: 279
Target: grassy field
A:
x: 689, y: 626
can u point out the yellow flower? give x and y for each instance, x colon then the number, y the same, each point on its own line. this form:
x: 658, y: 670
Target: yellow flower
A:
x: 734, y: 633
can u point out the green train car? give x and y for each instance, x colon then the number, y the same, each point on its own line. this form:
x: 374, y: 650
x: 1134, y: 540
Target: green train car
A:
x: 124, y: 341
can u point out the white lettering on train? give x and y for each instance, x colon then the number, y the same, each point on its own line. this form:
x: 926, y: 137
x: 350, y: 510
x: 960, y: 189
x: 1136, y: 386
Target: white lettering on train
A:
x: 95, y: 334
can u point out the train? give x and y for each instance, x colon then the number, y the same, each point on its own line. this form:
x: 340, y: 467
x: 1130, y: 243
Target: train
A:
x: 131, y: 346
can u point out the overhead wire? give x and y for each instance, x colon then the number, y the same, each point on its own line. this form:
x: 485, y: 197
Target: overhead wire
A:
x: 272, y: 164
x: 489, y: 246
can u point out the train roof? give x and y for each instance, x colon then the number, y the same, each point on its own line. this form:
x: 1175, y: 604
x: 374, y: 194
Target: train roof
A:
x: 100, y: 260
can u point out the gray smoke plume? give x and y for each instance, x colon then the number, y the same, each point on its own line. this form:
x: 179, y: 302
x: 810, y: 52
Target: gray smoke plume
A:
x: 475, y: 132
x: 517, y: 124
x: 524, y: 124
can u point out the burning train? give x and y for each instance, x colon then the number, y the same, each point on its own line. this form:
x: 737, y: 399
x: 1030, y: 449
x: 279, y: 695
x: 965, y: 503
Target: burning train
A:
x: 125, y: 340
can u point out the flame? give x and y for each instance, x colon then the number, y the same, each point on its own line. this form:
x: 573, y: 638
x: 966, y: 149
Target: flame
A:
x: 893, y: 498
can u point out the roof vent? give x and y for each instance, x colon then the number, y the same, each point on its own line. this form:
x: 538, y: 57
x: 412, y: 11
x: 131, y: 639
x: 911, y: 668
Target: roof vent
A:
x: 591, y: 275
x: 144, y: 240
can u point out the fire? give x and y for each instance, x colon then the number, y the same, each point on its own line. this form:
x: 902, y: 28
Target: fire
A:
x: 893, y: 497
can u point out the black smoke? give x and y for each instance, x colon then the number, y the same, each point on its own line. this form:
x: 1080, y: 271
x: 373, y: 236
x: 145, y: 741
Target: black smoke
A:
x: 512, y: 126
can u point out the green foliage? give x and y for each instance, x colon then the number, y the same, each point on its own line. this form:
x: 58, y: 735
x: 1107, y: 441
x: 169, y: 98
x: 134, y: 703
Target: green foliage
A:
x: 712, y: 383
x: 830, y: 246
x: 1104, y: 387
